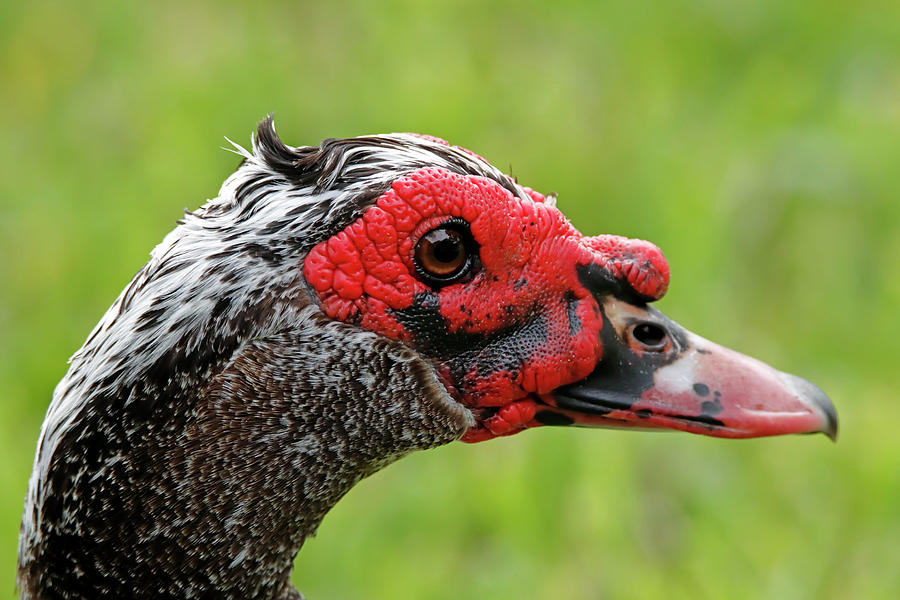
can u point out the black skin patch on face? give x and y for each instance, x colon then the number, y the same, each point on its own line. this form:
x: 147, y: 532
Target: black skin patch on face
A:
x: 600, y: 282
x: 572, y: 312
x: 643, y: 413
x: 549, y: 417
x: 506, y: 349
x: 701, y: 389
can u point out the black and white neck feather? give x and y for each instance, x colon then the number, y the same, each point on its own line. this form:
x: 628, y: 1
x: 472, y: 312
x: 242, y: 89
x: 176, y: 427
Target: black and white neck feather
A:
x: 214, y: 414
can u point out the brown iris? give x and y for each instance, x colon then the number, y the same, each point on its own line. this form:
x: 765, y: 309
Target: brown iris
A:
x: 443, y: 255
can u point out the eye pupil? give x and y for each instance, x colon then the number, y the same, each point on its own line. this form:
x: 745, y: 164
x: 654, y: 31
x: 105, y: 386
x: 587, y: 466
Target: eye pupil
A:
x: 447, y: 250
x: 442, y: 255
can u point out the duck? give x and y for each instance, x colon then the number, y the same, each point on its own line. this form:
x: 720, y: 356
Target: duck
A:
x: 333, y: 309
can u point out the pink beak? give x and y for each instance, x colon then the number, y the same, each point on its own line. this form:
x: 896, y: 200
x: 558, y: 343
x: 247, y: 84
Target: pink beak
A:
x: 693, y: 385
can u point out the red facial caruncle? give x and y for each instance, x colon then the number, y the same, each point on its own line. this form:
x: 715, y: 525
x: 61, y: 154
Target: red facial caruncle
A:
x: 514, y: 322
x: 527, y: 322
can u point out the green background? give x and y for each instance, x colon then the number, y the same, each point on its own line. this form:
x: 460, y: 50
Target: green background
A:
x: 755, y: 142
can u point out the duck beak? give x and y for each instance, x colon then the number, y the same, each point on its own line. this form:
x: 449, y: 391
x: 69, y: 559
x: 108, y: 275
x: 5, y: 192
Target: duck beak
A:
x: 654, y: 374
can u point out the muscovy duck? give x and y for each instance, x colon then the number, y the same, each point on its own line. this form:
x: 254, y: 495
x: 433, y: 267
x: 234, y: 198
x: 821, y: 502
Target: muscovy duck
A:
x: 333, y: 309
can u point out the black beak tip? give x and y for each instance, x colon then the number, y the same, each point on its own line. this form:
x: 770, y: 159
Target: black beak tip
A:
x: 814, y: 395
x: 831, y: 429
x: 824, y: 403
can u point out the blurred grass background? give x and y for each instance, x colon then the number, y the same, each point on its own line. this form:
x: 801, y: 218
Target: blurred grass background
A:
x: 756, y: 142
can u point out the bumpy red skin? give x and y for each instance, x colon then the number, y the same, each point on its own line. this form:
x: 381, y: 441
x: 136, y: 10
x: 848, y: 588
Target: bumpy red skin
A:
x: 528, y: 251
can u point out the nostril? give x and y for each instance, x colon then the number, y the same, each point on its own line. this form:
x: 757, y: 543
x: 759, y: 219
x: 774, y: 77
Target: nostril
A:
x: 650, y: 336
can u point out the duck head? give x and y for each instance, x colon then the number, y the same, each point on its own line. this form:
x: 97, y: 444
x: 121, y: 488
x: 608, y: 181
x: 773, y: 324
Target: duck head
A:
x: 333, y: 309
x: 528, y: 322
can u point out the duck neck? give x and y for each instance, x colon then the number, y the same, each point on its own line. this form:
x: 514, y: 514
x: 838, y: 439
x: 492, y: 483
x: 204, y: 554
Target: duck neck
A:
x: 220, y: 499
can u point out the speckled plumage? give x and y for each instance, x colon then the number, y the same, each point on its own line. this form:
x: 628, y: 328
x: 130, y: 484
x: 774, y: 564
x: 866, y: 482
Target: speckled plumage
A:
x: 134, y: 474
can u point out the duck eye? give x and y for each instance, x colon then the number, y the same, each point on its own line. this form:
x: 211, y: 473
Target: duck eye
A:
x: 444, y: 254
